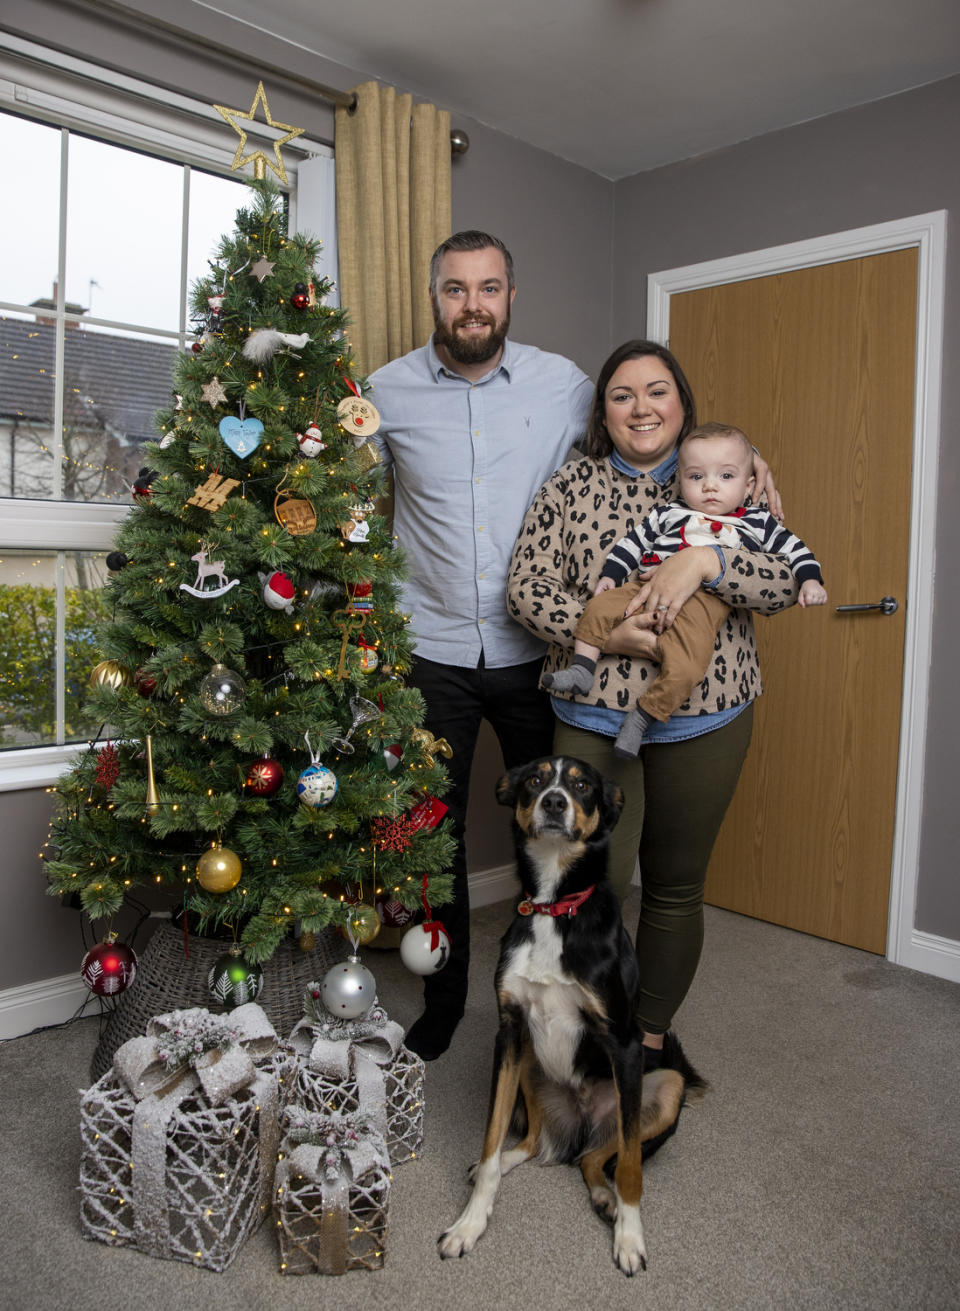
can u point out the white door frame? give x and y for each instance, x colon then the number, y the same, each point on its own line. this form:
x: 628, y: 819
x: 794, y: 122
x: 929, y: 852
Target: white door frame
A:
x: 926, y: 232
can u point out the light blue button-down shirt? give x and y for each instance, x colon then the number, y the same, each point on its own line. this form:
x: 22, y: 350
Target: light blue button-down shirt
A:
x: 467, y: 459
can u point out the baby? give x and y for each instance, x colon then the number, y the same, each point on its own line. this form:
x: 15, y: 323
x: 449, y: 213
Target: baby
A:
x: 715, y: 470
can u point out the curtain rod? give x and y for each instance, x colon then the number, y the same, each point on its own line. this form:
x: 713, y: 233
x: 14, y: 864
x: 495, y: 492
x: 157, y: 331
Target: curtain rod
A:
x: 459, y: 141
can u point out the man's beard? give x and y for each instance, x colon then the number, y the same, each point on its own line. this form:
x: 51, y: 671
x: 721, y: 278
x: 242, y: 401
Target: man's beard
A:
x: 471, y: 350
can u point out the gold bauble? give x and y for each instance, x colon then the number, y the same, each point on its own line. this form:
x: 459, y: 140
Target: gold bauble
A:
x: 363, y: 923
x: 110, y: 673
x: 219, y: 869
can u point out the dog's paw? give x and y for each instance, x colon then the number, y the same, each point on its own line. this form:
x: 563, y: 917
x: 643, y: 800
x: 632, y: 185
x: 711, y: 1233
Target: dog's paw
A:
x: 603, y: 1202
x: 461, y: 1237
x: 629, y: 1249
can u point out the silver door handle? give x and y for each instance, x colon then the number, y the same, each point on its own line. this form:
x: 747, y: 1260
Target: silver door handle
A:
x: 888, y: 605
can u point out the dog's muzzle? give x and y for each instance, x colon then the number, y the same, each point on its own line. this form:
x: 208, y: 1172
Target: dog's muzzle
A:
x: 553, y: 812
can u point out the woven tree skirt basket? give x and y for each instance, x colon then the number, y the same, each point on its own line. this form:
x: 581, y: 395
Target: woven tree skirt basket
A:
x: 167, y: 980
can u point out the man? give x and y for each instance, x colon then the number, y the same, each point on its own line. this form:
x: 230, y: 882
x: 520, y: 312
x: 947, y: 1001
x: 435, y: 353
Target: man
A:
x: 472, y: 425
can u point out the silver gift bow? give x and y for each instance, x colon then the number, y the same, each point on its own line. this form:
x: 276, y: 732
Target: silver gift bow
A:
x: 213, y: 1055
x: 351, y: 1049
x: 350, y: 1149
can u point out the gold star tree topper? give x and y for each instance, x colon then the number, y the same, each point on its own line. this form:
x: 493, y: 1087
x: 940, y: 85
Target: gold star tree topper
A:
x: 260, y: 161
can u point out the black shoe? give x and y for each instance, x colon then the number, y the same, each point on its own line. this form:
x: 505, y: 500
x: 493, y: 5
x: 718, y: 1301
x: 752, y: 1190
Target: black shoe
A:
x: 431, y: 1035
x: 652, y: 1058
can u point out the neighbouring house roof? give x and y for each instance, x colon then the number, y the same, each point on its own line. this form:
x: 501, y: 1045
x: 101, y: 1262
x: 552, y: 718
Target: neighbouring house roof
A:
x: 118, y: 382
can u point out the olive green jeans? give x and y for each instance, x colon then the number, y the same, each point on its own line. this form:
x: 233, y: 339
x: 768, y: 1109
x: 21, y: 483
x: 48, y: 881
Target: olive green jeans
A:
x: 676, y: 795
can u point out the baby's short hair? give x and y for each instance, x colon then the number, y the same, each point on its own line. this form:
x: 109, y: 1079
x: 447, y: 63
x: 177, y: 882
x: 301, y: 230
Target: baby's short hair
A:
x: 714, y: 429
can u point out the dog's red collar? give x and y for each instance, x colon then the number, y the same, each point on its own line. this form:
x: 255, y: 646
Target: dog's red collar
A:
x: 565, y: 906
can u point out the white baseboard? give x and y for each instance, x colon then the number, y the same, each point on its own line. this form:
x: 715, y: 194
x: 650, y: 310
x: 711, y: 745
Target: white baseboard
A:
x: 932, y: 955
x: 36, y: 1005
x: 490, y: 885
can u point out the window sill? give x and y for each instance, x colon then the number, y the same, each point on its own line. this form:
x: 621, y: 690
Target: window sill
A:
x: 36, y: 767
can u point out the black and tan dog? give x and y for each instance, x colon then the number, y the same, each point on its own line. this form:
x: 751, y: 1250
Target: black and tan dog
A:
x: 569, y: 1040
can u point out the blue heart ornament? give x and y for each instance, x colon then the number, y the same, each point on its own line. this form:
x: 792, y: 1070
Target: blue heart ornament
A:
x: 242, y: 435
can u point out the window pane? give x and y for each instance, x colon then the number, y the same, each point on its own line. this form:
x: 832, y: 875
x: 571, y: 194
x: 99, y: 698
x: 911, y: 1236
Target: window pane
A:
x: 124, y: 222
x: 28, y: 631
x: 30, y: 213
x: 214, y: 202
x: 26, y: 407
x: 113, y: 386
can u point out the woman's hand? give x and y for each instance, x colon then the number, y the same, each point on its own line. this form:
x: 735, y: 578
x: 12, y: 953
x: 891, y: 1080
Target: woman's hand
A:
x: 672, y: 583
x: 765, y: 486
x: 634, y: 637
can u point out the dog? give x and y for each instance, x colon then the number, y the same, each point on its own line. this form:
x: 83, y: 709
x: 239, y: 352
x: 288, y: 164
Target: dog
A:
x: 569, y: 1044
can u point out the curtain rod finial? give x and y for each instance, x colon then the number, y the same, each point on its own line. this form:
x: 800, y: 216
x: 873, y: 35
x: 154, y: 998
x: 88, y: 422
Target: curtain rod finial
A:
x: 459, y: 141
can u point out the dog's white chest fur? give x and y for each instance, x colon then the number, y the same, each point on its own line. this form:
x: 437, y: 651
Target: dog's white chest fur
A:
x: 552, y: 1001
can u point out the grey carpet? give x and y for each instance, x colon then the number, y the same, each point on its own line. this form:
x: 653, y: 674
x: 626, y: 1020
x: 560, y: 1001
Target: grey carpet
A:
x: 822, y: 1170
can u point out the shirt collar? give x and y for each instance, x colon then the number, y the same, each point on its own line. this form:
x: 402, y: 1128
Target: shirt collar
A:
x: 661, y: 474
x: 438, y: 369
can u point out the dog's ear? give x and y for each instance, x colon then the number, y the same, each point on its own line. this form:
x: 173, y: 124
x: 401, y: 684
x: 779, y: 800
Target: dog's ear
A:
x: 612, y: 803
x: 506, y: 789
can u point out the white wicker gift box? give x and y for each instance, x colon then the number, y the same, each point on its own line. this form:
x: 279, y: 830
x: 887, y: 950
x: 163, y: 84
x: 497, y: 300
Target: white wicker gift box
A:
x: 332, y: 1193
x: 179, y: 1139
x: 360, y: 1065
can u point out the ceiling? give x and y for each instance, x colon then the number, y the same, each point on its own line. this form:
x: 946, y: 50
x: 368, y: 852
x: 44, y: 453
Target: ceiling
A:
x: 621, y: 86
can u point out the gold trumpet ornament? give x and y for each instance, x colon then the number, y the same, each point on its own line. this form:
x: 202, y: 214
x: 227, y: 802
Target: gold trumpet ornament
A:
x: 152, y: 806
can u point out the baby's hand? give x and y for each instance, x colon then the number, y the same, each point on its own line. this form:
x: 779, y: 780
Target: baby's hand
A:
x: 812, y: 593
x: 604, y: 585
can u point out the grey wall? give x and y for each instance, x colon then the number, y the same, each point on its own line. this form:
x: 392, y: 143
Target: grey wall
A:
x: 883, y: 161
x: 555, y: 217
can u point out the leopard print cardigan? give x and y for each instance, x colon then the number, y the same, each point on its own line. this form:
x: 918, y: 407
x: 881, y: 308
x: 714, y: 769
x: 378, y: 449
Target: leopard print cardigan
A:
x: 573, y: 522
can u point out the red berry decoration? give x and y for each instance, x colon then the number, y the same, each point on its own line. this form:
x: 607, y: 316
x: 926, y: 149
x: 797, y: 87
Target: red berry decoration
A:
x: 264, y: 777
x: 109, y: 967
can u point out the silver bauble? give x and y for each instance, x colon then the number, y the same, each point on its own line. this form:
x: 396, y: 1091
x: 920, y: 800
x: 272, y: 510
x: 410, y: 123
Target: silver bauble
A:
x: 348, y: 989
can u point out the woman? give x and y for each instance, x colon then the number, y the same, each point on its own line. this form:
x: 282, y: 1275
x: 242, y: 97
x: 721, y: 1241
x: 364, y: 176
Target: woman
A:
x: 678, y: 789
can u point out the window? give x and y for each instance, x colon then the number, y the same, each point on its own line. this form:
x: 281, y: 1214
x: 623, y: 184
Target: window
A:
x: 122, y: 193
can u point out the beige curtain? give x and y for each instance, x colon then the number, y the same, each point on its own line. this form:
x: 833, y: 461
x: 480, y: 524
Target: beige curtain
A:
x: 393, y: 210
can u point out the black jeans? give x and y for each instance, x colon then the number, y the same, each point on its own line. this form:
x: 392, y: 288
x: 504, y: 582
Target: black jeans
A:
x: 457, y: 701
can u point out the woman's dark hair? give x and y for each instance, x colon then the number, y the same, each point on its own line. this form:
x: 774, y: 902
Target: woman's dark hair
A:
x: 597, y: 440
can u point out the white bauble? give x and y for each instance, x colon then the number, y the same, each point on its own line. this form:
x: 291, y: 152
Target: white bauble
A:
x: 418, y: 952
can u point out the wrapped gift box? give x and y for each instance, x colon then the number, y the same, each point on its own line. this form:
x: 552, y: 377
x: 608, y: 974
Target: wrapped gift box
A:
x: 332, y: 1193
x: 360, y: 1065
x: 179, y: 1140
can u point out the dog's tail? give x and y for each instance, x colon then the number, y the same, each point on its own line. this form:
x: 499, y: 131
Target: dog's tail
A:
x: 694, y: 1086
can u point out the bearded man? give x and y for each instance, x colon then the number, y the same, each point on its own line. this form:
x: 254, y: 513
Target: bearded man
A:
x: 472, y: 425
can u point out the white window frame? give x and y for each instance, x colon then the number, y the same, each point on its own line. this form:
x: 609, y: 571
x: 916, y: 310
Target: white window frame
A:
x: 72, y: 93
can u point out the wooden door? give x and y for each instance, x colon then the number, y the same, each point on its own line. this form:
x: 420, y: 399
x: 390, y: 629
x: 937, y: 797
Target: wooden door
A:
x: 817, y: 367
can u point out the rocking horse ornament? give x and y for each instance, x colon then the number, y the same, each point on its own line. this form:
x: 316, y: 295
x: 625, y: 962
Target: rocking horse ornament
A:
x: 215, y: 569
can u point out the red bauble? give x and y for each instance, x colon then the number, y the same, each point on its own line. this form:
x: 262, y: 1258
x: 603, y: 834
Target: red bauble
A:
x: 196, y: 347
x: 109, y: 967
x: 145, y: 683
x: 264, y: 777
x: 300, y: 298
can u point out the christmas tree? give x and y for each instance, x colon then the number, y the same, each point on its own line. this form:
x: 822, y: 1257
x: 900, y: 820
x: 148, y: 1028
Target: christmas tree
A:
x: 267, y: 763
